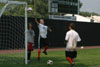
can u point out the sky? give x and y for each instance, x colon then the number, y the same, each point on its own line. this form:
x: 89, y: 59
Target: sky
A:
x: 91, y: 6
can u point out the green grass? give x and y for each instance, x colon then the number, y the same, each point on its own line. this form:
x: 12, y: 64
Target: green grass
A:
x: 85, y: 58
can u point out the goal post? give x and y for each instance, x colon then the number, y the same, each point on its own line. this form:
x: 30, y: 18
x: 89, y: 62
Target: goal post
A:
x: 26, y: 25
x: 13, y: 31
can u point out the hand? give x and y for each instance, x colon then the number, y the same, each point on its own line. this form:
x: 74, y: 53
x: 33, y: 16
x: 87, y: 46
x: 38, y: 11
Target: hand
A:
x: 50, y: 30
x: 71, y: 49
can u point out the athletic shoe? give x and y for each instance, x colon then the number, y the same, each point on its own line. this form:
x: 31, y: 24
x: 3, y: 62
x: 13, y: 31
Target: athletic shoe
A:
x: 45, y: 52
x: 73, y: 65
x: 38, y: 59
x: 28, y: 61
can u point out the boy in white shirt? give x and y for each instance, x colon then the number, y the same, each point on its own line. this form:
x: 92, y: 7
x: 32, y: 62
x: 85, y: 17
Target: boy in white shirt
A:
x: 43, y: 36
x: 72, y: 37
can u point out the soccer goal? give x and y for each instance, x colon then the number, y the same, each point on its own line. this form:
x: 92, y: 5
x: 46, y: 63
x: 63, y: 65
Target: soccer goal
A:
x: 13, y: 32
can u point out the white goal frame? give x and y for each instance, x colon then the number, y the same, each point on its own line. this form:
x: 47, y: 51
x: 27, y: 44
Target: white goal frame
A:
x: 18, y: 3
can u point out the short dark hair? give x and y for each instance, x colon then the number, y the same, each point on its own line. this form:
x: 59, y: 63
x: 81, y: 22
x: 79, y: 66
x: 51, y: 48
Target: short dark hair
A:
x: 29, y: 23
x: 72, y: 25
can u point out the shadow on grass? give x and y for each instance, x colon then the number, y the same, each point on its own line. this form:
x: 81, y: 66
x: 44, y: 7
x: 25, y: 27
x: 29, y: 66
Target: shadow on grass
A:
x: 57, y: 62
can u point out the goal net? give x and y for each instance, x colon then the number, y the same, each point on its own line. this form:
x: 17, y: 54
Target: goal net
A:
x: 13, y: 36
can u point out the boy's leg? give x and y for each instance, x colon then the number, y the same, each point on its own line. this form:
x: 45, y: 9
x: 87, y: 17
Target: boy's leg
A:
x: 68, y: 56
x: 39, y: 52
x: 69, y: 60
x: 73, y: 59
x: 29, y: 55
x: 30, y: 48
x: 73, y: 63
x: 45, y: 50
x: 45, y: 42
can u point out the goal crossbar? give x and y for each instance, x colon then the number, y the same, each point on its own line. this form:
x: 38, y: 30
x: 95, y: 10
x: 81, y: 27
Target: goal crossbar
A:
x: 17, y: 2
x: 13, y: 2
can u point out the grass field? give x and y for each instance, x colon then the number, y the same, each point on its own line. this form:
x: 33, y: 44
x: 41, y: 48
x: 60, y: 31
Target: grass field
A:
x: 85, y: 58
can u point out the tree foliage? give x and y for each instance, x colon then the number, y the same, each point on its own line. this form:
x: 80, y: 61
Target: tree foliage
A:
x: 88, y: 14
x: 42, y: 8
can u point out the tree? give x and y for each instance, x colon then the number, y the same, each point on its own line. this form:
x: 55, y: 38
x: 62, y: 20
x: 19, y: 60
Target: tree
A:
x: 81, y: 4
x: 88, y: 14
x: 42, y: 8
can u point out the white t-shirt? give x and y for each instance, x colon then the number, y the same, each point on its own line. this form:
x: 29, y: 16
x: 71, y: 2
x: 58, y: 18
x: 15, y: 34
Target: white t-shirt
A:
x: 30, y: 36
x: 72, y: 37
x: 43, y: 30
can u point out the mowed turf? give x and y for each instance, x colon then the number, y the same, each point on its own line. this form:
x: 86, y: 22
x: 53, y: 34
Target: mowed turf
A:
x: 85, y: 58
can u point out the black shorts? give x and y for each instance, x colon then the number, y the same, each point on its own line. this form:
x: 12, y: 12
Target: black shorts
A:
x: 71, y: 54
x: 43, y: 42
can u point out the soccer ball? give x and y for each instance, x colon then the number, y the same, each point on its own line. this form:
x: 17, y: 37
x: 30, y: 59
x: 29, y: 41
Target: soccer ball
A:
x: 30, y: 9
x: 82, y: 47
x: 50, y: 62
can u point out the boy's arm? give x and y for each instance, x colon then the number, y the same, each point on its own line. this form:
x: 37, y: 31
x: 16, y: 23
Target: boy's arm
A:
x: 66, y: 38
x: 49, y: 29
x: 79, y: 39
x: 73, y: 44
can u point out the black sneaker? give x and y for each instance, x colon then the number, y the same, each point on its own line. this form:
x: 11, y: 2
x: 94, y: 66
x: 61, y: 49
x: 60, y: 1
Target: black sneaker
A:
x: 38, y: 59
x: 28, y: 61
x: 73, y: 65
x: 45, y: 52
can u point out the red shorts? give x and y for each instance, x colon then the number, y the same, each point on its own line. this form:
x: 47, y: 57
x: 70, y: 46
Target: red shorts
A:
x: 30, y: 47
